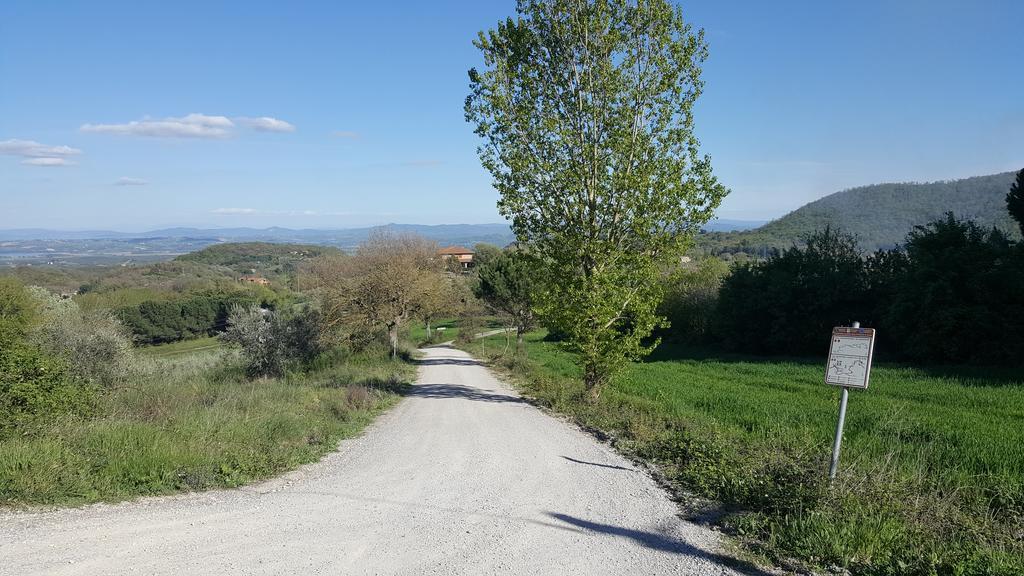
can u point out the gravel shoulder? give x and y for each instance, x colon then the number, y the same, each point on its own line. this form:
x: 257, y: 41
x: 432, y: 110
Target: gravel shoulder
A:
x: 462, y: 477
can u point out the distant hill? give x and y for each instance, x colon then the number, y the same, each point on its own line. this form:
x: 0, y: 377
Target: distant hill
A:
x: 880, y: 215
x: 56, y: 247
x: 261, y: 257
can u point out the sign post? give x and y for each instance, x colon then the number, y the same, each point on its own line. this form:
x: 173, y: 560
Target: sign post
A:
x: 849, y: 366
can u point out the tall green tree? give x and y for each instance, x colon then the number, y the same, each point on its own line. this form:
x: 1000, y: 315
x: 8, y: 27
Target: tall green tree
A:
x: 506, y: 284
x: 585, y: 108
x: 1015, y: 200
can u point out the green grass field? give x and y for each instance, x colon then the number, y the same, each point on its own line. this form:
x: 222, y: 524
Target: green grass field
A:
x: 193, y: 421
x: 932, y: 471
x: 181, y: 347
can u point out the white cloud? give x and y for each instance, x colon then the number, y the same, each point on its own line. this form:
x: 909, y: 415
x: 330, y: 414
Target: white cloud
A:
x: 47, y: 162
x: 266, y: 124
x: 33, y: 149
x: 127, y: 181
x: 191, y: 126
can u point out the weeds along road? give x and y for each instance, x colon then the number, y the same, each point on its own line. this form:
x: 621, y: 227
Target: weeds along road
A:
x: 462, y: 477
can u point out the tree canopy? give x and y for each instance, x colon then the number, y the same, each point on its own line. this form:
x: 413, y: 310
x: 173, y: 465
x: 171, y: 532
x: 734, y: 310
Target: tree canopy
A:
x: 585, y: 110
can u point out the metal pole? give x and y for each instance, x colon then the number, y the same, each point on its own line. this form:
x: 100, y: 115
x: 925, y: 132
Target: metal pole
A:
x: 837, y: 444
x: 839, y: 433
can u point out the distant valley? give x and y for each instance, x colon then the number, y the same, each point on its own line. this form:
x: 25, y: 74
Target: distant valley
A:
x: 37, y: 246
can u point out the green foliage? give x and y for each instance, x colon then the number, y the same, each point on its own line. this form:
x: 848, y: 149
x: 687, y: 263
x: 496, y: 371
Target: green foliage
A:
x: 960, y: 298
x: 195, y: 422
x: 789, y: 303
x: 691, y: 297
x: 506, y: 284
x: 1015, y: 200
x: 932, y: 476
x: 35, y: 386
x: 879, y: 216
x: 160, y: 321
x: 94, y: 344
x: 17, y: 310
x: 483, y: 253
x: 271, y: 341
x: 264, y: 257
x: 585, y: 111
x: 953, y: 297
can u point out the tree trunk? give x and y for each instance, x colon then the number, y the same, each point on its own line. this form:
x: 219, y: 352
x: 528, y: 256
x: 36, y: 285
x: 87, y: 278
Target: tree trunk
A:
x: 428, y: 328
x: 519, y: 340
x: 593, y: 381
x: 393, y: 338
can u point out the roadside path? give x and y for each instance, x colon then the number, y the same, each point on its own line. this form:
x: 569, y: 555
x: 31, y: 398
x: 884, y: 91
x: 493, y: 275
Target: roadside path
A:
x: 462, y: 477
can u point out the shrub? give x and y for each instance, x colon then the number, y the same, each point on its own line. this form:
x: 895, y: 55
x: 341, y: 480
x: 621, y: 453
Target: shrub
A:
x: 272, y: 342
x: 95, y: 345
x: 34, y: 385
x: 789, y: 303
x: 691, y: 294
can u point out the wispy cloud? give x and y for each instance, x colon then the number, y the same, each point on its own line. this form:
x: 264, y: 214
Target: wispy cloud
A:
x: 47, y: 162
x: 194, y: 125
x: 36, y: 154
x: 349, y: 134
x: 266, y: 124
x: 33, y: 149
x: 127, y: 181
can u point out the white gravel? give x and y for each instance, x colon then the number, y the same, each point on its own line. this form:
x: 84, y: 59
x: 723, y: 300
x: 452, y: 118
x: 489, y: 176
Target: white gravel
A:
x: 463, y: 477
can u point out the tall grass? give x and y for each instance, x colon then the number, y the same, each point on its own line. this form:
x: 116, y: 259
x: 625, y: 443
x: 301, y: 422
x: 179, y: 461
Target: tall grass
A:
x: 932, y: 470
x: 192, y: 422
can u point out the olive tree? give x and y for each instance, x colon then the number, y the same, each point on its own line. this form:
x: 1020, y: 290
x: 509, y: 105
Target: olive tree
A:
x: 585, y: 110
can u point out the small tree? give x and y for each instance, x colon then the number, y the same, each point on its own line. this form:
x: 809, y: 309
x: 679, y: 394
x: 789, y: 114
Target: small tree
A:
x: 585, y: 109
x: 1015, y: 200
x: 385, y: 284
x: 506, y: 284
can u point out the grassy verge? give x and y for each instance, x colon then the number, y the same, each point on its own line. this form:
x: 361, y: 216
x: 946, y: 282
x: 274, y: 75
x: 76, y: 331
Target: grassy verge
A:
x: 418, y: 331
x: 192, y: 422
x: 932, y: 474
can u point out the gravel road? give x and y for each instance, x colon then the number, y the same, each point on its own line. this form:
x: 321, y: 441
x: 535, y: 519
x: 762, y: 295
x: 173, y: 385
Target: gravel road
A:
x: 462, y: 477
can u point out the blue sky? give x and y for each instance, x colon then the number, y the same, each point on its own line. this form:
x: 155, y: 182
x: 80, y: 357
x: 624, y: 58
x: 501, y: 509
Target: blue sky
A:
x: 335, y: 114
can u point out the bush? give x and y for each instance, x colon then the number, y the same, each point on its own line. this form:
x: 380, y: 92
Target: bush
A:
x: 959, y: 297
x: 272, y: 342
x: 17, y: 310
x: 34, y: 385
x: 691, y: 295
x: 94, y: 344
x: 789, y: 303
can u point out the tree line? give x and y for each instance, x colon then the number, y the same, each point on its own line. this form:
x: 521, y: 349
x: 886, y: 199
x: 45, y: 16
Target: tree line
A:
x: 951, y: 294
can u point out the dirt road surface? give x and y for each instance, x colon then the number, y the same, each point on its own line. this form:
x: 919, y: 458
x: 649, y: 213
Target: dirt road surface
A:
x: 462, y: 477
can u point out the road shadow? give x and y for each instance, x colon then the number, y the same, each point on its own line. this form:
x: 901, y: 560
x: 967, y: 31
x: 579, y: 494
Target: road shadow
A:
x: 612, y: 466
x: 442, y: 391
x: 662, y: 542
x: 448, y: 362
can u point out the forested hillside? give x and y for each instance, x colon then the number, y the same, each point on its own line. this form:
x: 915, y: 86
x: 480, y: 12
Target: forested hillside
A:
x: 880, y: 215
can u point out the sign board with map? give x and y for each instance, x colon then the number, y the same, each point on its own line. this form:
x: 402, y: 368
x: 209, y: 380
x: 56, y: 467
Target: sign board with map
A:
x: 849, y: 357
